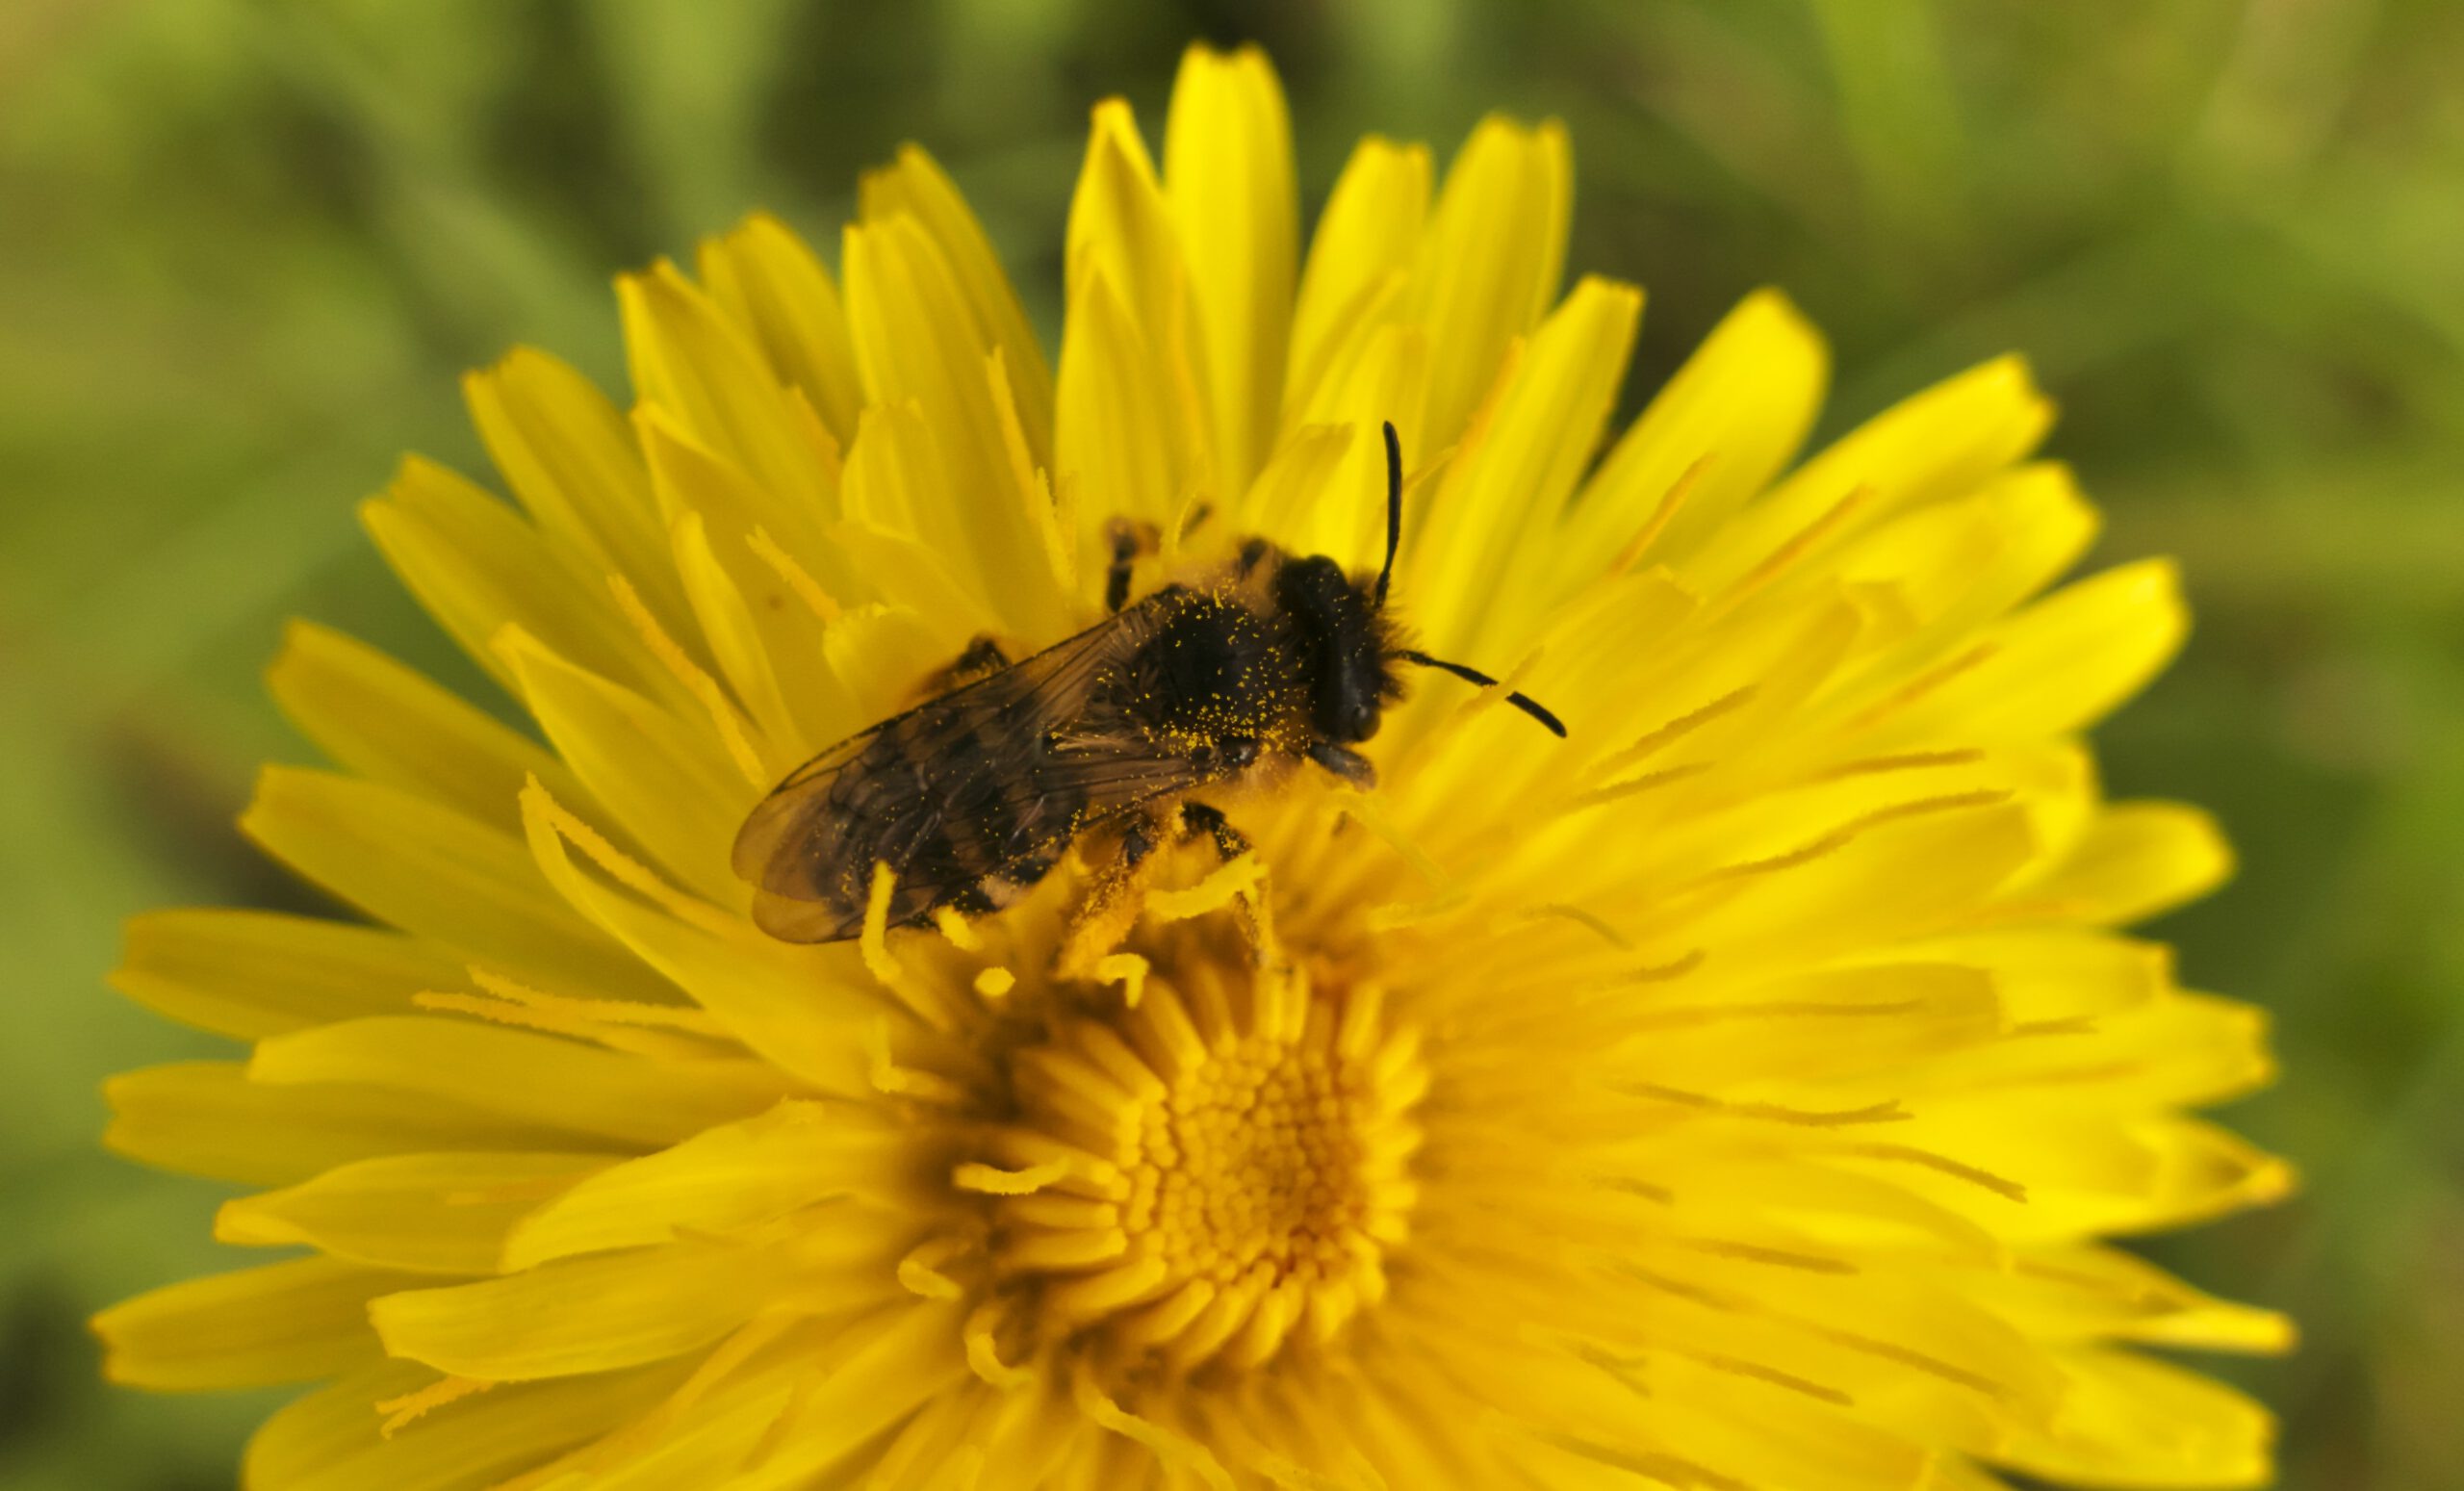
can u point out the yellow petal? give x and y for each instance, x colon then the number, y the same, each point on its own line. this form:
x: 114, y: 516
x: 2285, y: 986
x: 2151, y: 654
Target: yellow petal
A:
x: 1742, y: 405
x: 917, y: 341
x: 1900, y: 877
x: 420, y: 1213
x: 1889, y: 1019
x: 284, y: 1322
x: 673, y: 790
x: 691, y: 362
x: 578, y: 1315
x: 915, y: 187
x: 900, y: 1368
x: 1490, y: 263
x: 2055, y: 975
x: 1962, y: 563
x: 571, y: 460
x: 1493, y: 518
x: 1376, y: 378
x: 476, y: 566
x: 1938, y: 445
x: 376, y: 718
x: 1299, y: 500
x: 724, y: 1179
x: 2086, y: 1170
x: 1120, y: 223
x: 2135, y: 861
x: 2092, y: 1293
x: 798, y: 1006
x: 1121, y: 437
x: 2183, y: 1050
x: 2130, y: 1420
x: 1227, y: 173
x: 1365, y: 241
x: 434, y: 873
x: 208, y: 1119
x: 560, y: 1087
x: 782, y: 298
x: 897, y: 494
x: 692, y: 480
x: 250, y: 973
x: 2058, y: 666
x: 333, y: 1439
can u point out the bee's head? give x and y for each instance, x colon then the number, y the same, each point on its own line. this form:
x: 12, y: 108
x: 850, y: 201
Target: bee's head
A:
x: 1344, y: 642
x: 1353, y: 676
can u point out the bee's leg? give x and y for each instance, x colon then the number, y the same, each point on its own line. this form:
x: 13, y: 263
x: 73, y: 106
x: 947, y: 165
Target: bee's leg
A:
x: 1004, y: 887
x: 1251, y: 906
x: 1114, y: 894
x: 1205, y: 818
x: 984, y: 654
x: 1129, y: 541
x: 1348, y: 764
x: 981, y: 658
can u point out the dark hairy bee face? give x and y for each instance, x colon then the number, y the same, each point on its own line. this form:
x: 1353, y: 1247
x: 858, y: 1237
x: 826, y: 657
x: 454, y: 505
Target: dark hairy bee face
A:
x: 1344, y: 648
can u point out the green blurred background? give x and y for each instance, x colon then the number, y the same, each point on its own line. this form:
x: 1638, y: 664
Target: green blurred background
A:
x: 246, y: 246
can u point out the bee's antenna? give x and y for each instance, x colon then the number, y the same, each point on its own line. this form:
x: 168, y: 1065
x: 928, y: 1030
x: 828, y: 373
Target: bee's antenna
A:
x: 1394, y: 513
x: 1521, y: 701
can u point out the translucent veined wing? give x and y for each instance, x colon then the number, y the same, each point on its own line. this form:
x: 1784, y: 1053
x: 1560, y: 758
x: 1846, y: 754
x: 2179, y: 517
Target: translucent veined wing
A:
x: 969, y: 790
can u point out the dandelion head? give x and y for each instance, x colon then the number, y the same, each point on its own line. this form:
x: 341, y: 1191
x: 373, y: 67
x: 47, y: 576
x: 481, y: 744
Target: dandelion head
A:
x: 1740, y: 1089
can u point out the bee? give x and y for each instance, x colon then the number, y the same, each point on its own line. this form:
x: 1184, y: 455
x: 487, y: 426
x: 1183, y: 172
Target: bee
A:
x: 971, y: 797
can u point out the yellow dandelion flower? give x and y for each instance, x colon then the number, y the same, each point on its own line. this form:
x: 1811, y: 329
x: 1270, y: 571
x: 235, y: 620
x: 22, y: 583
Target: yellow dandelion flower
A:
x: 1736, y: 1093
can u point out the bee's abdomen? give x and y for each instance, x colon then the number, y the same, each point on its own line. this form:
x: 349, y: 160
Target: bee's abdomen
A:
x: 951, y: 804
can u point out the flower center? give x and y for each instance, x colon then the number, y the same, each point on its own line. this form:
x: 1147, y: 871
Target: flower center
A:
x: 1214, y: 1168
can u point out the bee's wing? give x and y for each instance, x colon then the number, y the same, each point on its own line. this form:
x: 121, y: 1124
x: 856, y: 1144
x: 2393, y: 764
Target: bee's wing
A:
x: 955, y: 792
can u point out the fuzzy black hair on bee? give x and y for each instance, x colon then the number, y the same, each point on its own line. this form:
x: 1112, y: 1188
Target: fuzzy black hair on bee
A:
x: 1212, y: 681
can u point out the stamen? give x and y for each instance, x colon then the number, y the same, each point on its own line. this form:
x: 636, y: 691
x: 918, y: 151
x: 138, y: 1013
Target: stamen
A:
x: 1742, y: 1367
x: 401, y: 1411
x: 612, y: 1012
x: 1849, y: 832
x: 1815, y: 1118
x: 874, y: 941
x: 1689, y: 1015
x: 1260, y: 1149
x: 704, y: 688
x: 988, y: 1180
x: 1587, y: 920
x: 984, y: 1352
x: 2008, y: 1189
x: 954, y: 929
x: 1128, y: 970
x: 1892, y: 1351
x: 887, y: 1076
x: 1177, y: 1452
x: 1234, y: 878
x: 1631, y: 785
x: 544, y: 817
x: 1676, y: 730
x: 921, y: 1270
x: 1921, y: 685
x: 1906, y: 760
x: 1671, y: 504
x: 799, y: 579
x: 1799, y: 545
x: 1777, y: 1257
